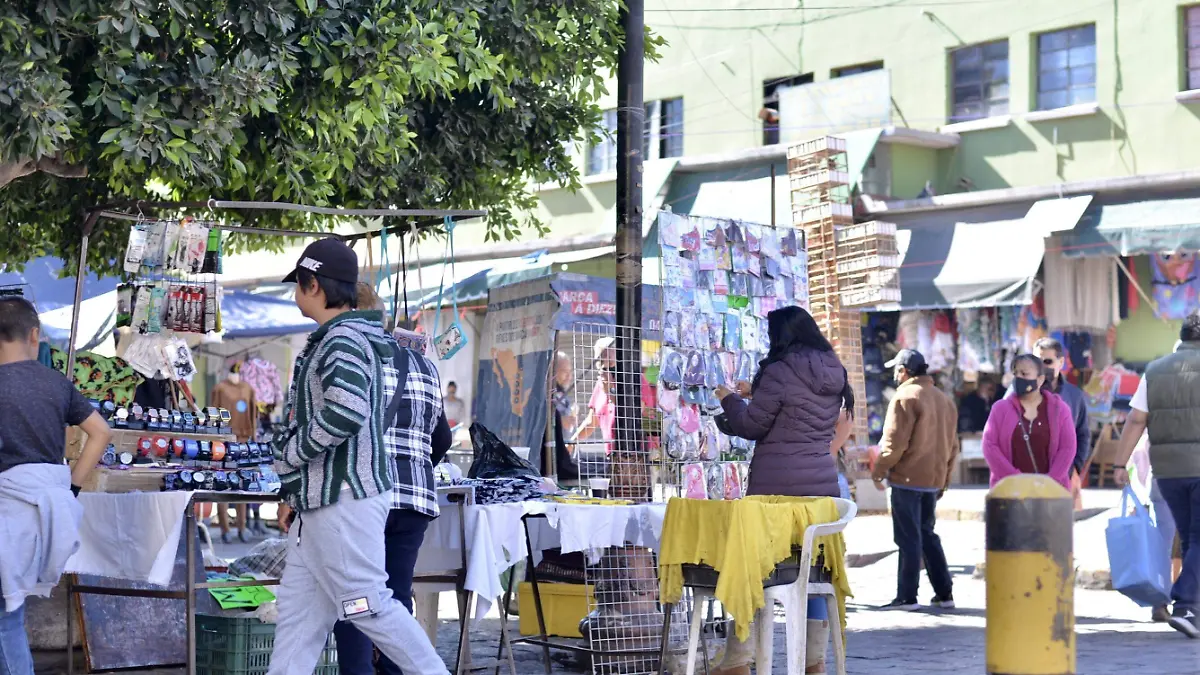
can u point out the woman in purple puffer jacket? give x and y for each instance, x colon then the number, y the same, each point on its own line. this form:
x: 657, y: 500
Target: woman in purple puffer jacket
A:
x: 795, y: 400
x: 792, y: 413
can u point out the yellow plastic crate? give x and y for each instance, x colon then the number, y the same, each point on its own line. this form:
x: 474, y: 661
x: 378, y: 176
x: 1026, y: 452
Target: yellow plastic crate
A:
x: 563, y: 606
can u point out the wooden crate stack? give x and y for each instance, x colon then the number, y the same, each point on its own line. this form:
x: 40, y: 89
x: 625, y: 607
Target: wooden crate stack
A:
x: 821, y: 207
x: 868, y: 264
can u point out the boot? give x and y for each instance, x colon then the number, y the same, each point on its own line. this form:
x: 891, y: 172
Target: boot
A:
x: 738, y: 655
x: 816, y: 640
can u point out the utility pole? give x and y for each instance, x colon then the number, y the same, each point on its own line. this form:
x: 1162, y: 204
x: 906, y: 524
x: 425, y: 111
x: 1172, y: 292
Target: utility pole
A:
x: 630, y: 465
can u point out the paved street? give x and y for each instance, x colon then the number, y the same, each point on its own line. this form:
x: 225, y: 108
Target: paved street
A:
x: 1114, y: 636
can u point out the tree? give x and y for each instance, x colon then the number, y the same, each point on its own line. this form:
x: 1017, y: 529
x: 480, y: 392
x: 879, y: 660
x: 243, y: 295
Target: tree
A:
x: 417, y: 104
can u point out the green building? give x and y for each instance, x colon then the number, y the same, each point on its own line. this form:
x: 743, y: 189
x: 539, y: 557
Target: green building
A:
x: 1004, y: 137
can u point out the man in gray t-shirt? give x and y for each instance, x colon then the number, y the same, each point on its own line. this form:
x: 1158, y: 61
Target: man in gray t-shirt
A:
x: 36, y: 512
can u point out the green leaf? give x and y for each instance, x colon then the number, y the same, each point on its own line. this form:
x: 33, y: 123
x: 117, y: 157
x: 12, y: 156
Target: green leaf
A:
x: 110, y: 135
x: 175, y: 29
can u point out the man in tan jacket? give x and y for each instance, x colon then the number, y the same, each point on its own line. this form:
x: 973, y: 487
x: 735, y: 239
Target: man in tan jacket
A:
x: 920, y: 442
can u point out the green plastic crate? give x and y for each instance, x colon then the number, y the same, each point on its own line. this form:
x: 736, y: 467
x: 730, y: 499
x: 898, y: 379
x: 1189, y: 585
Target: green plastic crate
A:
x: 233, y: 645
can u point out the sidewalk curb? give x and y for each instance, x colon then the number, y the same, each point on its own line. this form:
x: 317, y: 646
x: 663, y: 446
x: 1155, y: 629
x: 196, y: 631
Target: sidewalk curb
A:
x: 1092, y: 580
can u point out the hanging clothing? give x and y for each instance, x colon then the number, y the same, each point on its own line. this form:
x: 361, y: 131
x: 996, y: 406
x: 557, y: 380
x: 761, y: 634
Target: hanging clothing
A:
x: 239, y: 400
x: 263, y: 376
x: 100, y: 377
x: 1176, y: 284
x: 941, y: 352
x: 1080, y: 293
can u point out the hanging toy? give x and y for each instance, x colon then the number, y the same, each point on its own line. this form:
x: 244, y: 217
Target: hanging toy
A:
x: 455, y: 338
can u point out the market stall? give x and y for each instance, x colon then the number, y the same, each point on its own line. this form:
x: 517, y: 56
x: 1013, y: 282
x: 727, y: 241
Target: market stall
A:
x: 168, y: 458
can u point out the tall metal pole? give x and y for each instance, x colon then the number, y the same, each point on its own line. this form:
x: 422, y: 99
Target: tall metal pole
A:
x: 630, y: 479
x: 81, y: 272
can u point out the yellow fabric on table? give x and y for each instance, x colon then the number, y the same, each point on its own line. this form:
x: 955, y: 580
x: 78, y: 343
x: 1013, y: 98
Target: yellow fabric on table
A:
x: 743, y: 540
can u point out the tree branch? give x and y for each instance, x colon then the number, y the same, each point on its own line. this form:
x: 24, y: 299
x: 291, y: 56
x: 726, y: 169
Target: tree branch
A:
x: 10, y: 171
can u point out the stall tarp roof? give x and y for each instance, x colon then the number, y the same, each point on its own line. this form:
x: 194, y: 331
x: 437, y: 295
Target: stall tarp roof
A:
x: 1165, y: 224
x: 474, y: 287
x: 97, y: 321
x: 48, y: 290
x: 980, y: 257
x: 253, y: 315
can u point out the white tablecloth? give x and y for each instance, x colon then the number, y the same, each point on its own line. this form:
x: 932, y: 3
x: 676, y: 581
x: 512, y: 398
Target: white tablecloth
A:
x: 496, y: 537
x: 132, y: 536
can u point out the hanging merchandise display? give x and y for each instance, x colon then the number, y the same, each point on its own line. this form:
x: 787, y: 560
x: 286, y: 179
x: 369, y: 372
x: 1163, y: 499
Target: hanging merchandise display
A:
x: 448, y: 343
x: 1176, y: 284
x: 263, y: 377
x: 720, y: 280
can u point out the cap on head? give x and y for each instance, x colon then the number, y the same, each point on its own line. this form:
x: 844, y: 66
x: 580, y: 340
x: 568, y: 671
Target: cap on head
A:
x: 601, y: 345
x: 329, y: 258
x: 909, y: 359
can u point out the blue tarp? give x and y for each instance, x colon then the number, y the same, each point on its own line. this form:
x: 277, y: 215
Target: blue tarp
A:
x: 250, y: 315
x: 49, y: 292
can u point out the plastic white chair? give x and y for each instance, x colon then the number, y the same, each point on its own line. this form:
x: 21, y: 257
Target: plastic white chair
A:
x: 794, y: 598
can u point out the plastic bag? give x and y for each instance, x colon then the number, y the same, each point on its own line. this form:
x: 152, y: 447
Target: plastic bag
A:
x: 494, y: 459
x: 1141, y: 570
x: 265, y: 560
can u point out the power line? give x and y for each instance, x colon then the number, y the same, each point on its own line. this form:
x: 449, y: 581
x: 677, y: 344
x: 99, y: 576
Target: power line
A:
x: 708, y: 75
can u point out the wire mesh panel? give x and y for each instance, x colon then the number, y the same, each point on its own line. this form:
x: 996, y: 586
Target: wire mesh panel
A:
x: 619, y: 457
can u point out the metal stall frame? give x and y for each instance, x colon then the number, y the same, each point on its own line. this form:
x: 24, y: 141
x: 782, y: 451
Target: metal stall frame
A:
x: 421, y: 218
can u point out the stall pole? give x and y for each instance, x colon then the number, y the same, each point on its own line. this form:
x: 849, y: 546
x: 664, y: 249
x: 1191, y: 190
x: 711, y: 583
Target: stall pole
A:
x: 630, y: 477
x: 88, y: 225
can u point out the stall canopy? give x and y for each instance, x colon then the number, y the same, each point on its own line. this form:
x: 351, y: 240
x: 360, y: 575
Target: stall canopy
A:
x: 981, y: 257
x: 48, y: 291
x: 1111, y: 228
x: 473, y: 288
x: 251, y: 315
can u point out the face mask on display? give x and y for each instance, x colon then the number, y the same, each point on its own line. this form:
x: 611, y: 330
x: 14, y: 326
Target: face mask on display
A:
x: 1024, y: 386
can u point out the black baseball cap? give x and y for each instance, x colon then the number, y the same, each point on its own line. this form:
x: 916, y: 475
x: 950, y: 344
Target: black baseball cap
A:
x: 911, y: 359
x: 328, y: 258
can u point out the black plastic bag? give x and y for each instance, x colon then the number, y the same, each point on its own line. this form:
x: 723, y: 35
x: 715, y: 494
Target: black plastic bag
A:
x: 494, y: 459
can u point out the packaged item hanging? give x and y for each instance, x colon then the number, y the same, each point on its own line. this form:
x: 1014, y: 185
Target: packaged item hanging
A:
x: 156, y: 309
x: 155, y: 232
x: 212, y: 253
x: 135, y: 251
x: 450, y: 342
x: 733, y: 480
x: 694, y: 486
x: 193, y: 244
x: 714, y: 480
x: 124, y: 305
x: 209, y: 324
x: 179, y: 359
x: 141, y: 309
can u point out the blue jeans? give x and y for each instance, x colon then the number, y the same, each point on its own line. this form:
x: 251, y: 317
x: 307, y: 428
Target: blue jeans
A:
x: 403, y: 534
x: 15, y: 658
x: 1183, y: 497
x: 913, y: 519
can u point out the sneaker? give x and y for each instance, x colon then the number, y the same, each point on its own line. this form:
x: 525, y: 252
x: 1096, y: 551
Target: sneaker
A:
x: 943, y: 602
x: 243, y: 536
x: 902, y: 605
x: 226, y: 537
x: 1185, y: 621
x: 1161, y: 614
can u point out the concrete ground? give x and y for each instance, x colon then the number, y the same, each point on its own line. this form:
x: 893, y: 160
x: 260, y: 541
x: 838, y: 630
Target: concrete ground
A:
x: 1114, y: 636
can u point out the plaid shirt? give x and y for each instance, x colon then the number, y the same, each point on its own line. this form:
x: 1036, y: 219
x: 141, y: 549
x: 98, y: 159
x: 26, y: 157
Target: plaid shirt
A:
x: 409, y: 445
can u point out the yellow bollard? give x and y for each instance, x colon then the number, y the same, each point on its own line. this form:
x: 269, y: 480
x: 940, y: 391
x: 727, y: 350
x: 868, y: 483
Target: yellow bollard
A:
x: 1030, y: 578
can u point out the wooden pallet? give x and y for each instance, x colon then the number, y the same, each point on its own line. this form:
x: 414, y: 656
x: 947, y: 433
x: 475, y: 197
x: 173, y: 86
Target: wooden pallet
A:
x: 821, y: 179
x: 822, y: 146
x: 823, y: 213
x: 863, y: 263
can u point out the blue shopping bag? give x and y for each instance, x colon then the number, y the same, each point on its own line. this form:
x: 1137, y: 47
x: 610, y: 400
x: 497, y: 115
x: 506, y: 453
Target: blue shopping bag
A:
x: 1140, y: 569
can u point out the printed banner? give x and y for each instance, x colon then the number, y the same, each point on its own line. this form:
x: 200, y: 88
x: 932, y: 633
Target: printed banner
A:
x: 516, y: 348
x: 593, y: 300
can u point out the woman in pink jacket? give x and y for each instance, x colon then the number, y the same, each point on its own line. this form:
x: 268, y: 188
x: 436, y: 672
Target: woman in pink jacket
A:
x: 1031, y: 430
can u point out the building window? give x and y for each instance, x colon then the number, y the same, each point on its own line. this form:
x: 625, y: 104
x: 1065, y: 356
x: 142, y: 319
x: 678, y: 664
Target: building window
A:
x: 1192, y: 31
x: 855, y: 70
x: 769, y: 114
x: 602, y: 154
x: 1066, y: 67
x: 663, y: 135
x: 979, y: 76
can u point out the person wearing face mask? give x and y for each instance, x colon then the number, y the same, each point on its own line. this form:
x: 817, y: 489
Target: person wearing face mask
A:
x: 1053, y: 357
x: 1031, y: 430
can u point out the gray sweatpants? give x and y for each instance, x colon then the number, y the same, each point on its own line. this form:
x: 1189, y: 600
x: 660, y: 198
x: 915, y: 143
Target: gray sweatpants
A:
x: 335, y: 570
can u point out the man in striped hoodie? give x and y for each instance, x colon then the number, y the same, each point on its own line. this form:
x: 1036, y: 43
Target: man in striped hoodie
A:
x: 334, y: 470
